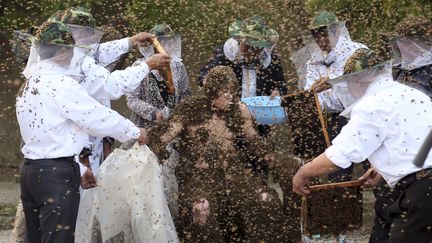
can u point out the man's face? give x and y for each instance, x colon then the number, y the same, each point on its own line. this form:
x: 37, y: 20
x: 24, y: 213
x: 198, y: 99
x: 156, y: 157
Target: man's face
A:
x: 322, y: 38
x: 250, y: 53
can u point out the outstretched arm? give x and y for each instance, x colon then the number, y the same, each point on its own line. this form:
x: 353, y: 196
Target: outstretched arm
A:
x: 162, y: 134
x: 257, y: 146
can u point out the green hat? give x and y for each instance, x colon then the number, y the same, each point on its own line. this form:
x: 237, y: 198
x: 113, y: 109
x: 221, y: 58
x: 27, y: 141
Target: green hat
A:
x: 360, y: 60
x: 162, y: 30
x: 78, y: 16
x: 57, y: 16
x: 54, y: 33
x: 323, y: 18
x: 253, y: 32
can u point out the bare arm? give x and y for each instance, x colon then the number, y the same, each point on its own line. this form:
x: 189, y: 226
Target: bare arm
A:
x: 162, y: 134
x: 321, y: 165
x: 248, y: 126
x: 257, y: 146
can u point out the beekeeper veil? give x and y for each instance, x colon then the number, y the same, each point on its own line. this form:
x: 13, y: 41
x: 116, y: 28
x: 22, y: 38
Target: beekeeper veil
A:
x: 300, y: 55
x: 170, y: 41
x: 361, y: 70
x: 410, y: 53
x: 257, y: 36
x: 52, y: 51
x: 84, y: 35
x: 324, y: 32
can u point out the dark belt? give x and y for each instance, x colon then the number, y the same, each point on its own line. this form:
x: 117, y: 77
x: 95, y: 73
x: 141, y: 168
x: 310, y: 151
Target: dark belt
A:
x: 68, y: 159
x: 414, y: 177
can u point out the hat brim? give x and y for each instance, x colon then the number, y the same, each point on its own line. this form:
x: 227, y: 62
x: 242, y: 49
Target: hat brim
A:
x: 235, y: 32
x: 345, y: 77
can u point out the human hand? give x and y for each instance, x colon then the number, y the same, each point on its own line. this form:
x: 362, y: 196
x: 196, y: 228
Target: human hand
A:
x: 158, y: 61
x: 159, y: 116
x: 371, y: 178
x: 271, y: 160
x: 201, y: 211
x: 88, y: 180
x: 140, y: 39
x: 320, y: 85
x: 299, y: 183
x: 274, y: 93
x: 143, y: 138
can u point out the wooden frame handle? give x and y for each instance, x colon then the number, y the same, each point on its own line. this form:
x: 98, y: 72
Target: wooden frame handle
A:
x: 336, y: 185
x: 322, y: 120
x: 168, y: 74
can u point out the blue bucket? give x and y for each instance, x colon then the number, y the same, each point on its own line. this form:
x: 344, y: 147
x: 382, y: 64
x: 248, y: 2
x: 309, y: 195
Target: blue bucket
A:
x: 266, y: 111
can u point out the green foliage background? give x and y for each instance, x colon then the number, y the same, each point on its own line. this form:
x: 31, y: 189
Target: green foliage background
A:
x: 203, y: 25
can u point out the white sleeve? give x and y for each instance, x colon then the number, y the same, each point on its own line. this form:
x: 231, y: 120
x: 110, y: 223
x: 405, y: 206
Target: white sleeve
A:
x: 330, y: 101
x: 108, y: 52
x: 327, y: 98
x: 101, y: 84
x: 90, y: 115
x: 361, y: 137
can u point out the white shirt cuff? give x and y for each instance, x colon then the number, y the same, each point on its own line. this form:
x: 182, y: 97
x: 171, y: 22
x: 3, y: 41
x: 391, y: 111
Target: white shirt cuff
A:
x: 144, y: 67
x: 132, y: 132
x: 337, y: 157
x: 126, y: 44
x: 83, y: 169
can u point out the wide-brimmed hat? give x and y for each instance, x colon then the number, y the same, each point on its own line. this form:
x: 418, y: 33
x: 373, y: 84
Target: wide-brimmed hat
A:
x: 321, y: 19
x: 54, y: 33
x: 360, y: 60
x: 253, y: 32
x: 78, y: 16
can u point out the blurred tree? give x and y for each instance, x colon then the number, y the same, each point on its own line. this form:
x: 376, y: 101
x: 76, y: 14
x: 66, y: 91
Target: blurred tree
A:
x: 204, y: 24
x: 21, y: 14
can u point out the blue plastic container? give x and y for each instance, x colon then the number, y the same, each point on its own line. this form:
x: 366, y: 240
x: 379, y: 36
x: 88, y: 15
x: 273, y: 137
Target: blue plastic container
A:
x: 266, y: 111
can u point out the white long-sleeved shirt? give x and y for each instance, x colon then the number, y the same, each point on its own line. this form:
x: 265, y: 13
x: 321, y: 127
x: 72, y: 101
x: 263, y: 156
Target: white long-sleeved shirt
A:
x: 108, y: 52
x: 102, y: 84
x: 331, y: 66
x: 56, y: 116
x: 387, y: 126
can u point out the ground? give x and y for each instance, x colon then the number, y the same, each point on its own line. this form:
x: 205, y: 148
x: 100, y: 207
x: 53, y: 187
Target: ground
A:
x: 9, y: 195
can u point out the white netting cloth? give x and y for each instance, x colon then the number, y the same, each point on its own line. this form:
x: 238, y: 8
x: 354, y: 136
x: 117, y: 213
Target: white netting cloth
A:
x: 172, y: 46
x: 325, y: 36
x: 85, y: 35
x: 129, y: 203
x: 410, y: 53
x: 350, y: 88
x: 53, y: 59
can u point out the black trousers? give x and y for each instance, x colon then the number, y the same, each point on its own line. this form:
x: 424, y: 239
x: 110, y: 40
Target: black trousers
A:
x: 384, y: 197
x: 411, y: 211
x: 50, y: 197
x: 335, y: 123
